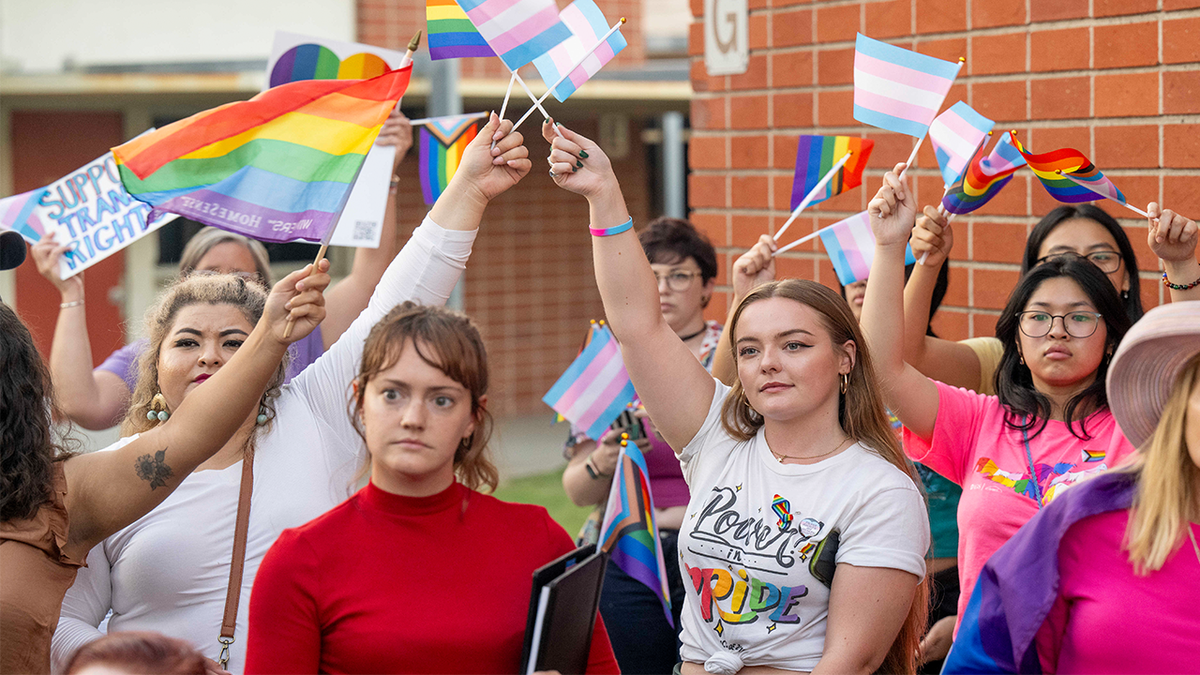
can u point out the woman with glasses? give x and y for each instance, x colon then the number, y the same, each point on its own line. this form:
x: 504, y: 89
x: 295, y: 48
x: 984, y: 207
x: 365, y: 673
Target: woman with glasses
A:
x: 1077, y: 229
x: 1049, y: 424
x: 685, y: 266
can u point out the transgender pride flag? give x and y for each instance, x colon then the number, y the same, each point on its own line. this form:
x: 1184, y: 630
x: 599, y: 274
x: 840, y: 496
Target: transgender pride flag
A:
x: 518, y: 31
x: 956, y: 134
x: 897, y: 89
x: 16, y: 213
x: 588, y: 25
x: 595, y: 388
x: 850, y: 244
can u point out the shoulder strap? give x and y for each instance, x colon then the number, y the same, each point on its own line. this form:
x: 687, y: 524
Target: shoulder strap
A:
x: 238, y: 562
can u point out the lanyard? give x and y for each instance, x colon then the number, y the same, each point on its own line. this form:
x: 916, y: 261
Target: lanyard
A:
x: 1037, y: 489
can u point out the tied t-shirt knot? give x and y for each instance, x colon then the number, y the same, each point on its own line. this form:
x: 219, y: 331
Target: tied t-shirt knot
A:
x: 723, y: 663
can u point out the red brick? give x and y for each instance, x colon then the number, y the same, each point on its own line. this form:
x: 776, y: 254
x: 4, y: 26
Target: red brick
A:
x: 997, y: 13
x: 793, y: 110
x: 707, y: 152
x: 1120, y: 7
x: 850, y: 201
x: 958, y: 293
x: 1056, y: 10
x: 1126, y: 95
x: 838, y: 24
x: 785, y: 150
x: 1180, y: 194
x: 697, y: 7
x: 748, y: 152
x: 1181, y: 92
x: 792, y: 69
x: 1132, y: 147
x: 889, y: 149
x: 1181, y: 40
x: 755, y: 76
x: 781, y: 200
x: 1170, y: 5
x: 983, y: 325
x: 1065, y: 49
x: 696, y: 38
x: 889, y: 19
x: 757, y: 5
x: 805, y: 224
x: 950, y: 325
x: 748, y: 112
x: 1151, y: 293
x: 1011, y: 200
x: 1126, y: 45
x: 706, y: 190
x: 749, y: 192
x: 995, y: 54
x: 789, y: 29
x: 950, y: 50
x: 996, y: 242
x: 759, y: 37
x: 724, y: 263
x: 835, y: 66
x: 698, y: 75
x: 711, y: 225
x: 1181, y: 147
x: 747, y: 230
x: 941, y: 16
x: 708, y: 113
x: 1000, y: 101
x: 992, y: 287
x: 789, y: 266
x: 1046, y: 140
x: 835, y: 109
x: 1060, y: 98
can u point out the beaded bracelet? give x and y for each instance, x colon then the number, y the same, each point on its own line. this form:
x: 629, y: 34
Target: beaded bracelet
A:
x: 1179, y: 287
x: 608, y: 231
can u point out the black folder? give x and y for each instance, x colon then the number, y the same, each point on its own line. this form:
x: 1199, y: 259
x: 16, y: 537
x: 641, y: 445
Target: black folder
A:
x: 562, y: 612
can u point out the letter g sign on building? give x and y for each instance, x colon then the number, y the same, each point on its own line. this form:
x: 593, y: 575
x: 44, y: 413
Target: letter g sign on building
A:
x: 726, y: 37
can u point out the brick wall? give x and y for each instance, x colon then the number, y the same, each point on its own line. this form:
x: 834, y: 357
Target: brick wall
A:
x: 1116, y: 79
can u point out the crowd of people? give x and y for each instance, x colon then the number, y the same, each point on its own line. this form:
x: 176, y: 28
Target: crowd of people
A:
x: 838, y: 489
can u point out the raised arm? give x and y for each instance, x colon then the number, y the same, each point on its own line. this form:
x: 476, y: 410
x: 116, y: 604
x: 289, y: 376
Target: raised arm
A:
x: 942, y: 360
x: 1172, y: 237
x: 674, y: 387
x: 348, y: 297
x: 753, y: 268
x: 109, y: 490
x: 93, y: 399
x: 907, y: 393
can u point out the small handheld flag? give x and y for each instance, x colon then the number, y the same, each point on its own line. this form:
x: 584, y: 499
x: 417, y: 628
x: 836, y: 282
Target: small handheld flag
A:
x: 984, y: 177
x: 443, y: 142
x: 850, y: 244
x: 451, y: 33
x: 1070, y: 177
x: 587, y: 24
x: 517, y: 31
x: 17, y: 214
x: 897, y: 89
x: 816, y: 155
x: 955, y: 135
x: 595, y: 388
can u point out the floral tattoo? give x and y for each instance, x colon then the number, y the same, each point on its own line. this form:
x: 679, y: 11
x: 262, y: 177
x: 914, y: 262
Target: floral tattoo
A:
x: 153, y: 469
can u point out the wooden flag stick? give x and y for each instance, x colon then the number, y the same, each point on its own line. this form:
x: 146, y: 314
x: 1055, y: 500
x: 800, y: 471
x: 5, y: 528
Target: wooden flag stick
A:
x: 1080, y: 183
x: 404, y: 62
x: 812, y: 194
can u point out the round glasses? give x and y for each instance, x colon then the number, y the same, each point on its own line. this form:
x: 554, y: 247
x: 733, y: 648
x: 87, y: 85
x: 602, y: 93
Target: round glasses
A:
x: 677, y: 280
x: 1077, y: 324
x: 1107, y: 261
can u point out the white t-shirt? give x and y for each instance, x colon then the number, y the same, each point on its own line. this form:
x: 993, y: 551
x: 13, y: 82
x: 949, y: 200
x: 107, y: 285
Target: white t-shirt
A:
x: 169, y: 570
x: 751, y: 529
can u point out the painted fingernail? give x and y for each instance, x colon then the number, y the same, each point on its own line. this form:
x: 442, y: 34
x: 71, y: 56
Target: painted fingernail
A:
x: 583, y: 154
x: 578, y: 165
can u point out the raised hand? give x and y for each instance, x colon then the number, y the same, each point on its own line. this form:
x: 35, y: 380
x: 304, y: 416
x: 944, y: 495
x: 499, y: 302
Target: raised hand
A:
x: 486, y: 172
x: 577, y: 163
x: 932, y: 237
x: 892, y: 210
x: 398, y: 132
x: 1171, y: 236
x: 754, y: 267
x: 46, y: 255
x: 299, y: 296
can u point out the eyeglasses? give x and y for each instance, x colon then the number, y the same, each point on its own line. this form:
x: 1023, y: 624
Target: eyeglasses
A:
x: 1077, y: 324
x: 677, y: 280
x: 1107, y: 261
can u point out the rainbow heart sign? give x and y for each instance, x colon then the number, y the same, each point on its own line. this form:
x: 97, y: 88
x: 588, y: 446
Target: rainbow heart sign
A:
x: 317, y: 62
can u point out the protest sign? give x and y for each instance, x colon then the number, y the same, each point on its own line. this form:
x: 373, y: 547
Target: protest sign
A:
x: 299, y: 57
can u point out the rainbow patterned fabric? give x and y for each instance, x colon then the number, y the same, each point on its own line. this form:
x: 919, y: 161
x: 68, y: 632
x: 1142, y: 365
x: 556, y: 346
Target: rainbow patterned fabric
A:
x: 443, y: 142
x: 518, y: 31
x: 1070, y: 162
x: 816, y: 155
x: 451, y: 33
x: 278, y: 167
x: 984, y: 177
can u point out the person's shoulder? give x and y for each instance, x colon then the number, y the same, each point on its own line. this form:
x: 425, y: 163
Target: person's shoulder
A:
x: 120, y: 443
x: 873, y: 473
x: 984, y: 345
x: 327, y: 525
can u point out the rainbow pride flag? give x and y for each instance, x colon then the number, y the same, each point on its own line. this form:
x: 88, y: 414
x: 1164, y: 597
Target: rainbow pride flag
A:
x: 518, y: 31
x: 629, y: 532
x: 278, y: 167
x: 897, y: 89
x: 451, y: 33
x: 595, y: 388
x: 1069, y: 161
x: 588, y: 25
x: 850, y: 244
x: 17, y: 214
x: 443, y: 142
x: 816, y: 155
x: 984, y: 177
x: 955, y: 135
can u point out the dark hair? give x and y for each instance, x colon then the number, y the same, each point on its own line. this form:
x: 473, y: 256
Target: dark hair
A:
x: 668, y: 241
x: 935, y: 301
x: 1132, y: 301
x: 1026, y: 407
x: 28, y: 443
x: 139, y: 652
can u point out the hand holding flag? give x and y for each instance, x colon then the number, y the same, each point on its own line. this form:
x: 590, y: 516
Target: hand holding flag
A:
x: 1173, y: 238
x: 932, y: 238
x: 483, y: 174
x: 892, y: 211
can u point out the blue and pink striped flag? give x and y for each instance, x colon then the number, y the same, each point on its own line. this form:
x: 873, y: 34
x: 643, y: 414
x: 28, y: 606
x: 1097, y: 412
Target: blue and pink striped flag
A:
x: 17, y: 214
x: 595, y: 388
x: 897, y: 89
x: 956, y: 134
x: 588, y: 25
x: 518, y: 31
x: 850, y: 244
x: 984, y: 177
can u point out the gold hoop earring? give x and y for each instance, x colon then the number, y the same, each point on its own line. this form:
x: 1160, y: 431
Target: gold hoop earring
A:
x: 845, y: 378
x: 158, y: 409
x: 746, y: 401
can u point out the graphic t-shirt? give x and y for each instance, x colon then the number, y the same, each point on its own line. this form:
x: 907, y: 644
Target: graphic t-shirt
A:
x: 974, y: 448
x: 754, y: 529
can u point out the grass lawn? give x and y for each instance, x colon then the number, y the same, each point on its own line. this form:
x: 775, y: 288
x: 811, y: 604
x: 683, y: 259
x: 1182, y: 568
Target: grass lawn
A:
x: 546, y: 490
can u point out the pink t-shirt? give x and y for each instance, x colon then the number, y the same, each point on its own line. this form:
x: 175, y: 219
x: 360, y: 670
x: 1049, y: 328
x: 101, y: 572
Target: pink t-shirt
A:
x: 1109, y: 620
x: 972, y: 447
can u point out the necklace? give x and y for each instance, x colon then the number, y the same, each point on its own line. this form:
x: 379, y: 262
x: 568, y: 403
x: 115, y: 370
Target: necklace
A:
x: 685, y: 338
x: 824, y: 454
x: 1195, y: 547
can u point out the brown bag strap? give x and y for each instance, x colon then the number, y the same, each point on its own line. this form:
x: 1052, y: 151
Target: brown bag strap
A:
x: 238, y: 562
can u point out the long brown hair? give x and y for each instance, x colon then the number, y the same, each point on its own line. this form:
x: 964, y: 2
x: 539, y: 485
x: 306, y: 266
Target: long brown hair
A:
x: 450, y: 342
x: 861, y: 414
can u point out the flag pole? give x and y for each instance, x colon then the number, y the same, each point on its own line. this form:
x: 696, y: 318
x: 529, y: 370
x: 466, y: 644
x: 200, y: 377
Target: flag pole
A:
x: 404, y: 63
x: 1080, y: 183
x: 801, y: 240
x: 536, y: 102
x: 949, y: 217
x: 578, y: 62
x: 912, y: 157
x: 812, y: 194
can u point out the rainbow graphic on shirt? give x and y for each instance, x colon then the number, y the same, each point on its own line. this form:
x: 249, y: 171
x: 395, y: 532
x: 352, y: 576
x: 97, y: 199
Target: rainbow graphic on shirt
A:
x: 1051, y: 478
x: 782, y: 508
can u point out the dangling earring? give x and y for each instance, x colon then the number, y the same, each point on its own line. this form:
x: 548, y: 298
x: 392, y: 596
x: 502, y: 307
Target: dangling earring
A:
x: 845, y: 378
x: 746, y: 401
x: 1125, y: 295
x: 158, y: 409
x: 262, y: 415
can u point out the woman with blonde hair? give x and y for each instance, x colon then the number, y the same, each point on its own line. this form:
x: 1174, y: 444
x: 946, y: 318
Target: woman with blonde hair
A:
x: 803, y: 543
x: 1104, y: 580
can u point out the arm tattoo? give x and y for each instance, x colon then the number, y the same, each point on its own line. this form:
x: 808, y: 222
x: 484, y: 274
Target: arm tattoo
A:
x: 153, y: 469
